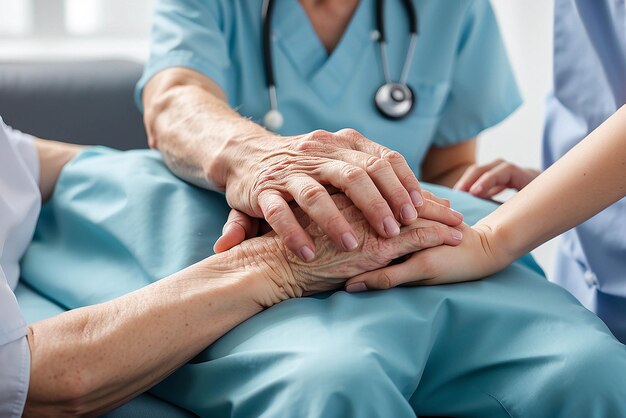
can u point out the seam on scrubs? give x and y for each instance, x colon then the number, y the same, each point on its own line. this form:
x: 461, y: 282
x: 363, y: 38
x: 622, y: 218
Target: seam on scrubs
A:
x: 178, y: 59
x: 25, y: 377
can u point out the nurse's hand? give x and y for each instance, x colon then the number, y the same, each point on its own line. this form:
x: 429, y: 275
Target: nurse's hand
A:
x: 291, y: 277
x: 240, y: 226
x: 479, y: 255
x: 262, y: 174
x: 488, y: 180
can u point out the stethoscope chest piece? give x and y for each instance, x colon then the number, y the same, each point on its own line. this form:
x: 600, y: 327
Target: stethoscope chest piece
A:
x: 394, y: 100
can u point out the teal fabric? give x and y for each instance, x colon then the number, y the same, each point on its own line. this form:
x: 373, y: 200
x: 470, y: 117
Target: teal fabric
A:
x: 512, y: 345
x: 460, y: 73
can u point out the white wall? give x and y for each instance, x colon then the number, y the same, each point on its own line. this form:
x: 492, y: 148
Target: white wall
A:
x: 49, y: 29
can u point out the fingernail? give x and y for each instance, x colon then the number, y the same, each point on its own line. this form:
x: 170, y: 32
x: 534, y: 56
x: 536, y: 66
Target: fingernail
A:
x: 306, y: 253
x: 356, y: 287
x: 476, y: 189
x: 457, y: 235
x: 391, y: 226
x: 416, y: 198
x: 408, y: 212
x: 457, y: 214
x: 349, y: 242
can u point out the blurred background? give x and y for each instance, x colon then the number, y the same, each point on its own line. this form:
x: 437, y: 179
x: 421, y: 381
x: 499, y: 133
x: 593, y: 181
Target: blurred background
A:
x: 84, y: 29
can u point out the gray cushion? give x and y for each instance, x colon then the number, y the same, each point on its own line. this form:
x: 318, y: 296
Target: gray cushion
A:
x: 85, y: 102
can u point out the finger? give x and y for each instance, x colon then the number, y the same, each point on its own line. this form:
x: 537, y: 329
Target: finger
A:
x: 281, y: 218
x: 238, y: 227
x: 361, y: 190
x: 399, y: 165
x: 472, y: 174
x: 431, y: 196
x: 409, y: 272
x: 385, y: 180
x: 425, y: 235
x: 497, y: 176
x: 437, y: 212
x: 315, y: 201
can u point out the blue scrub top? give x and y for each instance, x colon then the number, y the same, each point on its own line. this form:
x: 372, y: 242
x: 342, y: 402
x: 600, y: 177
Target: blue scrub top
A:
x: 460, y: 73
x: 589, y: 86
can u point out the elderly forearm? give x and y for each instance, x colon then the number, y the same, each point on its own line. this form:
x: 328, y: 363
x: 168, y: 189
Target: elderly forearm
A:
x: 53, y: 156
x: 190, y: 122
x: 587, y: 179
x: 92, y: 359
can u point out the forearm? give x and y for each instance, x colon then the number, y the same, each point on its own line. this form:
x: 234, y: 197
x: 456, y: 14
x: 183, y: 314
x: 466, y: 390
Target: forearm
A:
x: 190, y: 122
x: 53, y: 156
x: 587, y: 179
x: 91, y: 359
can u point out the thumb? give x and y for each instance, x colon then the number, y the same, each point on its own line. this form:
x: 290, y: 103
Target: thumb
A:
x: 237, y: 228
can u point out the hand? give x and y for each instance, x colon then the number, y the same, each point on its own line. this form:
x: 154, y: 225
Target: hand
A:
x: 291, y: 277
x: 240, y: 226
x: 263, y: 174
x: 478, y: 256
x: 488, y: 180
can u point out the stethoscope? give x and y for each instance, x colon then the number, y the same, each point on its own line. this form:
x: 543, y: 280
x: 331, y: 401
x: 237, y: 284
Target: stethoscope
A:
x: 393, y: 100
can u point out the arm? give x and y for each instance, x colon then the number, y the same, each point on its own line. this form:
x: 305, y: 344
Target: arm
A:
x: 445, y: 165
x: 52, y: 158
x: 586, y: 180
x: 91, y: 359
x: 207, y: 143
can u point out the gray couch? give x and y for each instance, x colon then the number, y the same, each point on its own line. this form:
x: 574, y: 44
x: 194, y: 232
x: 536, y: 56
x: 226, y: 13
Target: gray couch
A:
x: 84, y: 102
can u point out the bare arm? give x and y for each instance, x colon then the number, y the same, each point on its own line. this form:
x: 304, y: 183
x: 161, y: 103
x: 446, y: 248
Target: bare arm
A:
x: 445, y: 165
x: 584, y: 181
x: 53, y: 156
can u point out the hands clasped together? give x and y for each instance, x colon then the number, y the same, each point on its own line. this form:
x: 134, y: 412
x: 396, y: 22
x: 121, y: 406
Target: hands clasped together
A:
x: 292, y: 183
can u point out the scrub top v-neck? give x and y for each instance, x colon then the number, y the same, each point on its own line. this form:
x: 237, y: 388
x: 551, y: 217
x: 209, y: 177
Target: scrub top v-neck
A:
x: 460, y: 74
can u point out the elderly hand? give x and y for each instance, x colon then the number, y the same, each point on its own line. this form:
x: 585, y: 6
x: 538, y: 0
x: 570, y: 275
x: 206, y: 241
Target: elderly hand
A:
x: 291, y: 277
x: 263, y: 174
x: 479, y: 255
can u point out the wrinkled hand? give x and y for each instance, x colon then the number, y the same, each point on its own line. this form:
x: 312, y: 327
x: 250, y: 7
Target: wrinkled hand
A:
x: 478, y: 256
x: 240, y: 226
x: 488, y: 180
x: 268, y: 172
x: 293, y: 278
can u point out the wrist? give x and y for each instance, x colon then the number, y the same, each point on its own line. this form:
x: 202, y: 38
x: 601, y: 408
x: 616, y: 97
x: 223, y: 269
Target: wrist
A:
x: 231, y: 158
x: 258, y: 268
x: 497, y: 244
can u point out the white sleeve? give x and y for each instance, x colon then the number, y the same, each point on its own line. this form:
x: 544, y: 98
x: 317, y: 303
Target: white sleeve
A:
x: 14, y: 377
x: 24, y: 145
x: 14, y: 354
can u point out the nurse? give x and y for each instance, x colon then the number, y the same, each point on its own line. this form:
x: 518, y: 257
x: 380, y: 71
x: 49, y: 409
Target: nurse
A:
x: 210, y: 83
x: 494, y: 349
x: 89, y: 360
x: 589, y: 86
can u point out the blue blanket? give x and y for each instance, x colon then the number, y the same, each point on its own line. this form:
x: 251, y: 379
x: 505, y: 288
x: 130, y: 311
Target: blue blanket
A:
x: 121, y: 220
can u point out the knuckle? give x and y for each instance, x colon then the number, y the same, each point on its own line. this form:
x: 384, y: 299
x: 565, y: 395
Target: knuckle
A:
x: 273, y: 212
x: 375, y: 165
x: 420, y: 236
x: 352, y: 173
x: 383, y: 280
x: 350, y: 133
x: 310, y: 194
x: 319, y: 135
x: 393, y: 157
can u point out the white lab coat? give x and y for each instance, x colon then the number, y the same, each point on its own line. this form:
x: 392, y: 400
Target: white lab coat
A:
x: 20, y: 203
